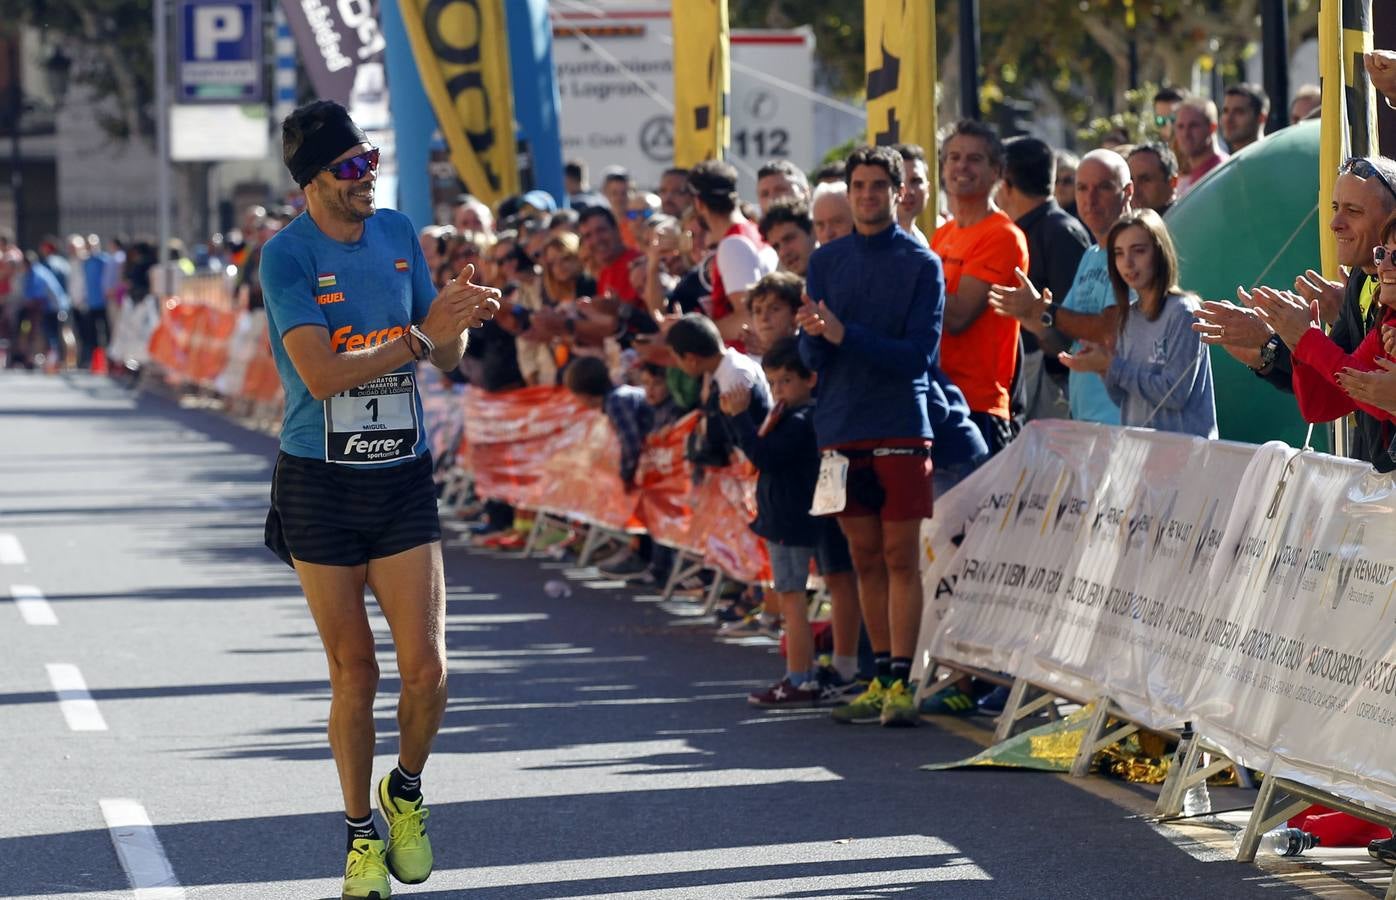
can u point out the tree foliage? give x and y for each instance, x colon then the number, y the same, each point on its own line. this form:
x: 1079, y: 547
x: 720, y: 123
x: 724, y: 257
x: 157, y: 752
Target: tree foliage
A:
x: 110, y: 44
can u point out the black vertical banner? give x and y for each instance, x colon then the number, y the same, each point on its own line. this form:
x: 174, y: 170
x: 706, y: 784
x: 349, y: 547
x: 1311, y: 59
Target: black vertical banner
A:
x: 334, y: 38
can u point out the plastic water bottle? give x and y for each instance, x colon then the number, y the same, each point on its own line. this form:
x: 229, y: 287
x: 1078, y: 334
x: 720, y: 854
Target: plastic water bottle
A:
x: 1197, y: 802
x: 557, y: 589
x: 1284, y: 842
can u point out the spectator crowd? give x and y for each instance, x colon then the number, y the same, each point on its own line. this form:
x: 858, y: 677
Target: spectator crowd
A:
x: 863, y: 350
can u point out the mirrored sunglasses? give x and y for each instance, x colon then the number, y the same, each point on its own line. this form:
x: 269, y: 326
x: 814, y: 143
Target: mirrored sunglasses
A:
x: 355, y: 167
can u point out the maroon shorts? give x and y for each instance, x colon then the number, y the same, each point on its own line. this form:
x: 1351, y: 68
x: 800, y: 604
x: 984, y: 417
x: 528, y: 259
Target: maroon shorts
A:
x: 893, y: 487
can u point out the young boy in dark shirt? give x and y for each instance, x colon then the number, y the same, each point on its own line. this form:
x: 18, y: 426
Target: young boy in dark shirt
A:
x: 786, y: 454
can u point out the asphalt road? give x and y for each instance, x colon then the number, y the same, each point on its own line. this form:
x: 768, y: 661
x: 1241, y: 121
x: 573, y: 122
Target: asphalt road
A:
x: 595, y: 745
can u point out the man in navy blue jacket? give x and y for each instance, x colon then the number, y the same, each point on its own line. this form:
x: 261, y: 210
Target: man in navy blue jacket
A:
x: 872, y: 326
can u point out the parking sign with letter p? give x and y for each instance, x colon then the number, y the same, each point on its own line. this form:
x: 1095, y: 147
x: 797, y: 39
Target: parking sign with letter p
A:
x: 220, y: 51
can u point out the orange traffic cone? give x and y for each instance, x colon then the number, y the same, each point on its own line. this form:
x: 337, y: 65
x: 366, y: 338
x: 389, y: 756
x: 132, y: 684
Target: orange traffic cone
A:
x: 99, y: 361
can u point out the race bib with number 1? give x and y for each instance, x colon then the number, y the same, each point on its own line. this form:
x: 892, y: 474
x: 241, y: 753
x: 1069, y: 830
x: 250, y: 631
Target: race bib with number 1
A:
x: 375, y: 422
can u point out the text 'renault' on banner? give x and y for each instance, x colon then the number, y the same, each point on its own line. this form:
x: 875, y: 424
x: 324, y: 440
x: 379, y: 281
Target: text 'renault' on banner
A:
x: 462, y: 53
x: 702, y: 81
x: 900, y: 61
x: 1349, y: 112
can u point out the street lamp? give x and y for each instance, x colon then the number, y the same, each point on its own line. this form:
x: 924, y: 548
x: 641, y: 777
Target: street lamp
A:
x: 57, y: 70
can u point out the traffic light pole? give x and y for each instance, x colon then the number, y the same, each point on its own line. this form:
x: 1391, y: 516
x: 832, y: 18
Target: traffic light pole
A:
x: 1274, y: 29
x: 969, y: 59
x: 162, y: 148
x: 16, y: 151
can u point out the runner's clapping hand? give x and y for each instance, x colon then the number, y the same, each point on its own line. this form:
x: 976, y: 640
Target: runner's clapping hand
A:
x: 461, y: 304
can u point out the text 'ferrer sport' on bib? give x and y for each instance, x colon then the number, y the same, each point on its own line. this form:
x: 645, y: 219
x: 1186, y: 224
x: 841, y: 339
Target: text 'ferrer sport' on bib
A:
x: 375, y: 422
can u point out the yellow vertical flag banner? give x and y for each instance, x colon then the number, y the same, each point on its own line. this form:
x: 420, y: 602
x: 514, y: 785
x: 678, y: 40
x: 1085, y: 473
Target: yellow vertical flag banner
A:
x: 1349, y: 125
x: 702, y: 81
x: 462, y: 52
x: 900, y: 63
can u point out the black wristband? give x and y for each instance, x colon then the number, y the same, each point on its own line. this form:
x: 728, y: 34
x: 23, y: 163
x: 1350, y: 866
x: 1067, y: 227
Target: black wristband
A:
x: 419, y: 352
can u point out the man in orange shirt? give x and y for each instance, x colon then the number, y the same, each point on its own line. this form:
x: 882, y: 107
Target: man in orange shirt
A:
x: 979, y: 247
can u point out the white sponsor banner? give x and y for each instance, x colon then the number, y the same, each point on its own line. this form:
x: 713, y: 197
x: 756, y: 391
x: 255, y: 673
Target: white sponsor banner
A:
x: 615, y: 77
x: 1175, y: 576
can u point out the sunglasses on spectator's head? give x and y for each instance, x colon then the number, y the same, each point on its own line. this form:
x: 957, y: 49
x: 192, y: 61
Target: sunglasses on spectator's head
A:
x: 1160, y: 121
x: 355, y: 167
x: 1363, y: 168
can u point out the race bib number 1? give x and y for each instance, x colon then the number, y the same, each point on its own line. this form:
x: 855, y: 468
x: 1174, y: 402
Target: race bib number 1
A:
x: 831, y: 490
x: 375, y: 422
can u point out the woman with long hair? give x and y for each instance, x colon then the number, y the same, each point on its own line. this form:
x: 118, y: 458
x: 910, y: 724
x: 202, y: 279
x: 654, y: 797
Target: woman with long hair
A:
x: 1158, y: 370
x: 563, y: 278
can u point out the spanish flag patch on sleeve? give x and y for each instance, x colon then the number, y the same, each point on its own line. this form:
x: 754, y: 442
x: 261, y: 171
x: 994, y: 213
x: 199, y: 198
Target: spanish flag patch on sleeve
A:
x: 326, y: 281
x: 400, y: 265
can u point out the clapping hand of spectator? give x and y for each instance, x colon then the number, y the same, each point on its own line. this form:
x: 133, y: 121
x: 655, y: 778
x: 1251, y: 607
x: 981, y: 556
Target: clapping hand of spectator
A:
x: 607, y: 305
x: 1092, y: 357
x: 547, y: 323
x: 1381, y: 68
x: 1023, y: 302
x: 818, y: 320
x: 1238, y: 330
x: 1314, y: 287
x: 1374, y: 388
x: 1388, y: 340
x: 736, y: 401
x: 1289, y: 314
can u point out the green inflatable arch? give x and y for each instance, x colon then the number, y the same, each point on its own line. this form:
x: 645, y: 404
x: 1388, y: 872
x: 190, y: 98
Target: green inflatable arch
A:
x: 1255, y: 220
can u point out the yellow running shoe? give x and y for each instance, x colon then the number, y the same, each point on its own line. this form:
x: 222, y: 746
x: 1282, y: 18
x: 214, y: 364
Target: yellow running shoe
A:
x: 898, y: 708
x: 409, y: 848
x: 865, y: 709
x: 366, y: 872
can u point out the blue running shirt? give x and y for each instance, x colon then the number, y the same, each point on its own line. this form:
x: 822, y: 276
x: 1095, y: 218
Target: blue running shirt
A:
x: 362, y: 294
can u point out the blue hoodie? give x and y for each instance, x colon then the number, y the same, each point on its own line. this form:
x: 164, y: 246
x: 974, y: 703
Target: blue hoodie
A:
x: 958, y: 440
x: 889, y: 293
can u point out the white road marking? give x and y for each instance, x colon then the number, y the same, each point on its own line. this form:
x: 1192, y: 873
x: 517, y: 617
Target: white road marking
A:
x: 11, y: 553
x: 33, y: 608
x: 141, y: 853
x: 76, y: 703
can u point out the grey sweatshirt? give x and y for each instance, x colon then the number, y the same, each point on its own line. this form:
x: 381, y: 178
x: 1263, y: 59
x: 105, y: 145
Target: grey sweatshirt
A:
x: 1163, y: 364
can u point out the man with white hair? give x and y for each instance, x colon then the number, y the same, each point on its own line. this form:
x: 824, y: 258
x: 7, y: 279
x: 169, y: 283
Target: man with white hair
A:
x: 831, y: 212
x: 1103, y: 192
x: 472, y: 215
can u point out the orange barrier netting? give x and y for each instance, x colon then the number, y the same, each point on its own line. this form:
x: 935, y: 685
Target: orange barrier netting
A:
x: 194, y: 342
x: 665, y: 480
x: 538, y: 448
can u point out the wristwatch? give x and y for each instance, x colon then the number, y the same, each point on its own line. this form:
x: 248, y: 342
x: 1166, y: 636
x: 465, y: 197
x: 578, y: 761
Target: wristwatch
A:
x: 1268, y: 351
x: 1049, y: 316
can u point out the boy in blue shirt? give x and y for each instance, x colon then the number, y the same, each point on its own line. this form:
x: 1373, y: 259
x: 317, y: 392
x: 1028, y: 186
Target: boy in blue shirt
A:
x: 786, y: 453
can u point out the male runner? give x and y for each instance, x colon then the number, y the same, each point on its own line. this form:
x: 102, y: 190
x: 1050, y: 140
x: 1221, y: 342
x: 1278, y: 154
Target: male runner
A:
x: 352, y: 310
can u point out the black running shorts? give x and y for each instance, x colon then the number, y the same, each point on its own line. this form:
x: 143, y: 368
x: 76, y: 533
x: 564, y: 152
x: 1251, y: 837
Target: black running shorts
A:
x: 336, y: 515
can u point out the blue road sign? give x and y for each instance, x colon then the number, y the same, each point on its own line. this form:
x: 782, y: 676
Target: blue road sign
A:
x: 220, y: 51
